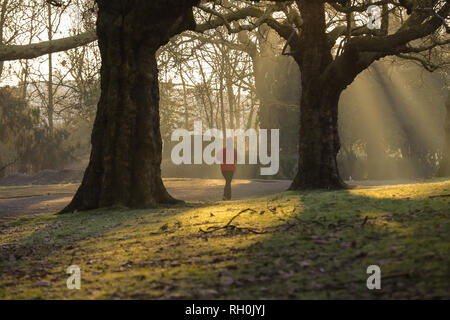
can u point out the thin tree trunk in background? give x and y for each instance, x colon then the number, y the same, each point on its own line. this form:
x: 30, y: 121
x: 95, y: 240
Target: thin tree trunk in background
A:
x: 50, y: 104
x: 444, y: 166
x: 237, y: 109
x: 26, y: 68
x: 185, y: 103
x: 24, y: 81
x: 230, y: 99
x: 217, y: 100
x: 228, y: 83
x: 207, y: 88
x: 222, y: 107
x: 124, y: 167
x: 2, y: 26
x: 252, y: 110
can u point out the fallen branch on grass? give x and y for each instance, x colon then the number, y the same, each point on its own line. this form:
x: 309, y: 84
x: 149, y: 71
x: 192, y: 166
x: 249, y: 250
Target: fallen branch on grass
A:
x: 439, y: 195
x: 232, y: 227
x: 365, y: 220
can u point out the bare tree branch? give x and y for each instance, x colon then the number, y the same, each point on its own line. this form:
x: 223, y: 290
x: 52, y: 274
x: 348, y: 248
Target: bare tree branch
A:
x: 34, y: 50
x: 426, y: 64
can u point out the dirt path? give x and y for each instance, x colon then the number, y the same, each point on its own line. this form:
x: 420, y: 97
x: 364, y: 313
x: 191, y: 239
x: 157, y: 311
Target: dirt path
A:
x: 26, y: 200
x: 34, y: 200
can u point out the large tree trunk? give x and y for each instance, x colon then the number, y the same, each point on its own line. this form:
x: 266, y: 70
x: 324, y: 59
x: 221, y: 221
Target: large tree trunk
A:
x: 444, y: 166
x: 319, y: 138
x: 124, y: 168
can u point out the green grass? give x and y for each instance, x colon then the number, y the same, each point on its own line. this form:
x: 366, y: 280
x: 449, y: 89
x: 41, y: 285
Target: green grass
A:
x: 309, y: 245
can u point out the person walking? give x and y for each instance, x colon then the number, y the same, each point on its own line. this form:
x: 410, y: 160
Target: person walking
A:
x: 228, y: 167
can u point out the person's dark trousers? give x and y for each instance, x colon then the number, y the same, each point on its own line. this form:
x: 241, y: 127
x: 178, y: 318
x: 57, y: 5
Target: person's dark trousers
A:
x: 228, y: 175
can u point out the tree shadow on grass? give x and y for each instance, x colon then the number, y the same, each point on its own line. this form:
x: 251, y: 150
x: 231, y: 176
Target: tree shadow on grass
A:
x: 43, y: 243
x: 324, y: 251
x: 316, y: 245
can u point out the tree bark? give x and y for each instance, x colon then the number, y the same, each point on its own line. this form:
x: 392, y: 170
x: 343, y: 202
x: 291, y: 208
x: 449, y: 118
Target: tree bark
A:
x: 323, y: 80
x: 124, y: 168
x: 34, y: 50
x: 318, y: 138
x: 444, y: 166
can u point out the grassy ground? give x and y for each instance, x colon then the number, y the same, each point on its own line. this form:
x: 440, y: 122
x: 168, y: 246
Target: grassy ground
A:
x: 36, y: 190
x: 308, y: 245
